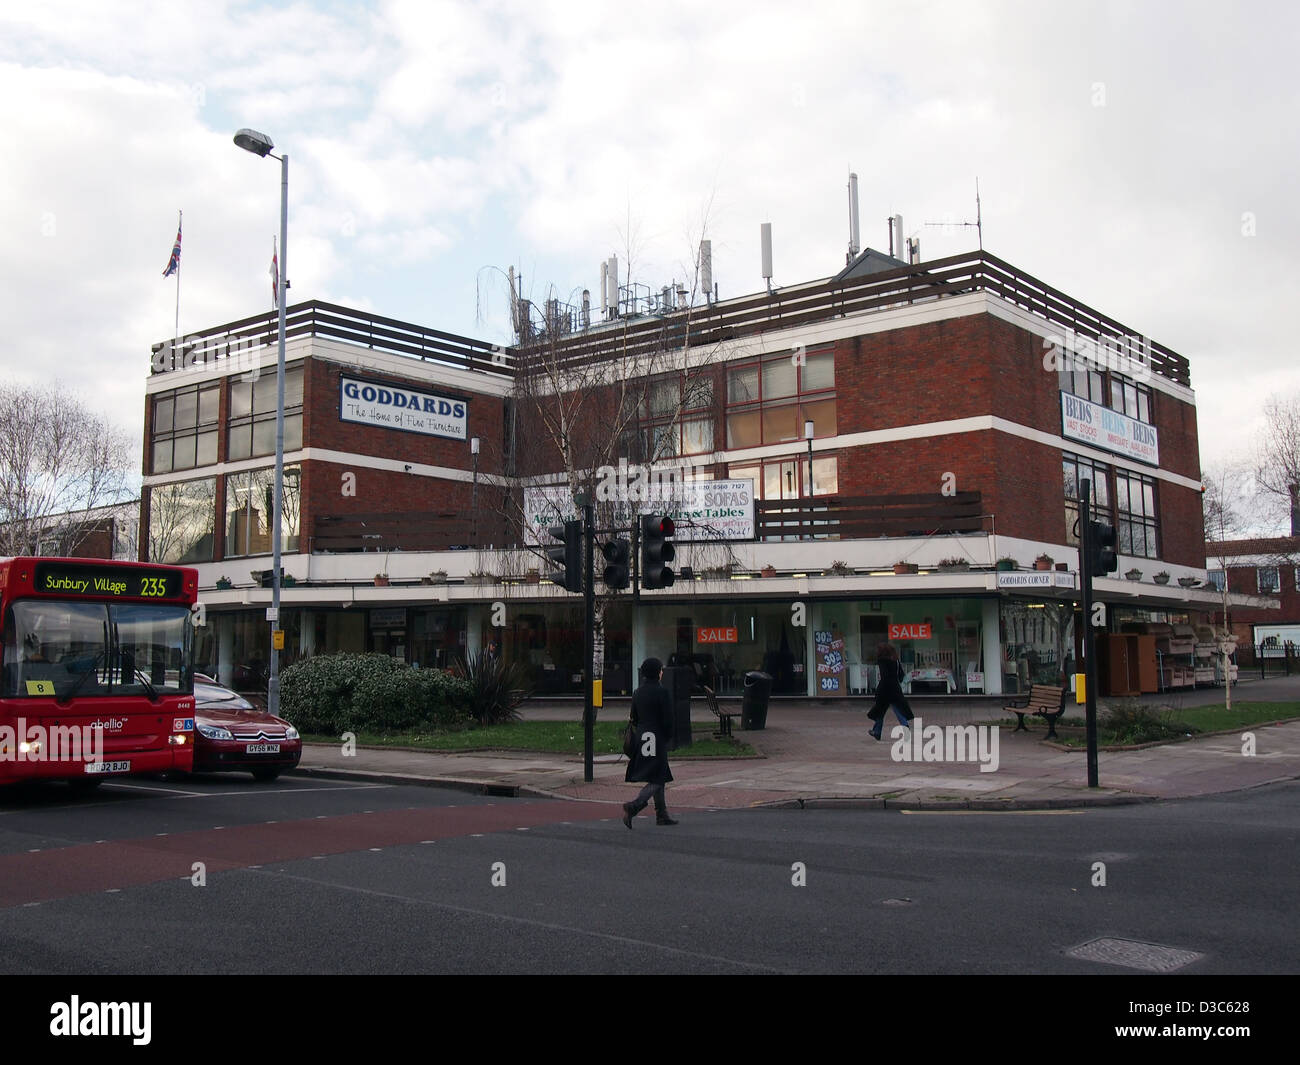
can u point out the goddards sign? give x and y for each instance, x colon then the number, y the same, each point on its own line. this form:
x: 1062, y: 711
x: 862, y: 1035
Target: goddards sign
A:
x: 399, y: 407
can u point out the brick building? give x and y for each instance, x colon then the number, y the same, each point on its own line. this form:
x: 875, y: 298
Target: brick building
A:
x: 1267, y: 568
x: 955, y: 407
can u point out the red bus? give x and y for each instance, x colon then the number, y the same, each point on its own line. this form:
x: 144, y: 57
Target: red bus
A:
x: 98, y: 669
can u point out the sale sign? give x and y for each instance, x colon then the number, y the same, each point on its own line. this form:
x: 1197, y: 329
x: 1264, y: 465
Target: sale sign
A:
x: 722, y: 635
x: 915, y: 631
x: 830, y: 663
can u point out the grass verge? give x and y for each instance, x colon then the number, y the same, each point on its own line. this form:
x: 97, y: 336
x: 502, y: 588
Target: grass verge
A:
x: 1172, y: 724
x: 549, y: 737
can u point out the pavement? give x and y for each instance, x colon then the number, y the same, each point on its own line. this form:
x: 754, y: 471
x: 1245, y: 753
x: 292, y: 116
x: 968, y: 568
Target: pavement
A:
x: 819, y: 753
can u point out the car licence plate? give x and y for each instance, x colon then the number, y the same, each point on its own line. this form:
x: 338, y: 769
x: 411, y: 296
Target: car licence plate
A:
x: 108, y: 767
x: 262, y: 748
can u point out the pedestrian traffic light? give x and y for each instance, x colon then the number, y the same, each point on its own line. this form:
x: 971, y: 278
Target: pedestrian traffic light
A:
x: 618, y: 559
x: 1102, y: 544
x: 656, y: 551
x: 568, y: 557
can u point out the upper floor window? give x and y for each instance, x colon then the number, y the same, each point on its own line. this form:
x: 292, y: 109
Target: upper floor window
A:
x: 1109, y: 389
x: 768, y: 401
x: 1216, y: 579
x: 1135, y: 503
x: 185, y: 428
x: 1076, y: 470
x: 252, y: 414
x: 1270, y: 581
x: 676, y: 418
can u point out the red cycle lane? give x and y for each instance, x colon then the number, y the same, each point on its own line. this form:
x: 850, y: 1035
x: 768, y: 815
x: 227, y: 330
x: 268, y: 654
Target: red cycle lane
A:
x: 87, y: 868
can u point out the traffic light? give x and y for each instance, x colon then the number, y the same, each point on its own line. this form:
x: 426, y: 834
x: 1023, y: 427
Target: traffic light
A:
x: 1102, y: 545
x: 618, y: 558
x: 568, y: 557
x: 656, y: 551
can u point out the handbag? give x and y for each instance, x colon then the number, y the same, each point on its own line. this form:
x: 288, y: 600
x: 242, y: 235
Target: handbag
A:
x: 630, y: 738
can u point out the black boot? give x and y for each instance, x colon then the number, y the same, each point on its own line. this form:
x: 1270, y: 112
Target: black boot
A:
x: 630, y: 810
x: 661, y: 816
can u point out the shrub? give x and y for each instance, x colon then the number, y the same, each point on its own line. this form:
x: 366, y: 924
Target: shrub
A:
x: 496, y: 688
x: 332, y: 694
x: 1131, y: 722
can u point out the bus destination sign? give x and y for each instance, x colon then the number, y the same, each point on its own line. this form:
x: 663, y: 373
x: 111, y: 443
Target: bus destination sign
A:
x: 57, y: 578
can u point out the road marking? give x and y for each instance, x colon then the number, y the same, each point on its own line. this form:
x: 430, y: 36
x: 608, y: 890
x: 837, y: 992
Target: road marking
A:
x: 1003, y: 813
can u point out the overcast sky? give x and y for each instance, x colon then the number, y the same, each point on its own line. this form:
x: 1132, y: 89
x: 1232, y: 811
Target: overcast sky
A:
x: 1141, y: 157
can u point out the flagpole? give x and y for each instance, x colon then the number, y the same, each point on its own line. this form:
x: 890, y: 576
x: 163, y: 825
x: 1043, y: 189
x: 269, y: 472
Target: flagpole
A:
x: 176, y: 341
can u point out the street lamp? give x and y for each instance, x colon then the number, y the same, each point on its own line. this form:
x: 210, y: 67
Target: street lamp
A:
x: 260, y: 144
x: 808, y: 435
x: 473, y: 506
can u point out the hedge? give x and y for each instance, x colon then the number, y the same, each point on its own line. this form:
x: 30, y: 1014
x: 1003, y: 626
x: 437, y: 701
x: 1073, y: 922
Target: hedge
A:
x: 332, y: 694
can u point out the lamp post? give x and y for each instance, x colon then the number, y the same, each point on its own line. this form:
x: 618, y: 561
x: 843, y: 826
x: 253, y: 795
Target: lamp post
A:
x: 808, y: 435
x: 260, y: 144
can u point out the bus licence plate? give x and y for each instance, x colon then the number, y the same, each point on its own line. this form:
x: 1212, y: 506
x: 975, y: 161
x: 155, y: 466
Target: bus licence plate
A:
x: 262, y: 748
x: 108, y: 767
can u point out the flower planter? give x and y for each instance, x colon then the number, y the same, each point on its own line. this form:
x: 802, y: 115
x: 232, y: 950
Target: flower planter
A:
x: 1161, y: 578
x: 1063, y: 567
x: 1042, y: 564
x: 381, y: 582
x: 223, y: 583
x: 1133, y: 575
x: 1004, y: 565
x: 954, y: 567
x: 768, y: 571
x: 1188, y: 582
x: 905, y: 567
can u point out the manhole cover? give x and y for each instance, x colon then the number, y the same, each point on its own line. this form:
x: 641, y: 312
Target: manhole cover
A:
x: 1151, y: 957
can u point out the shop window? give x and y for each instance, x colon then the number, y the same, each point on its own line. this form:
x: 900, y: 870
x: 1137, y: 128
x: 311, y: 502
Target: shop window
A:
x: 184, y: 428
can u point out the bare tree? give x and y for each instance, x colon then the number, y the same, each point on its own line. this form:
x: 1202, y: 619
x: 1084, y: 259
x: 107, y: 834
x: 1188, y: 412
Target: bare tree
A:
x: 1277, y: 463
x: 631, y: 398
x: 1224, y: 507
x: 59, y: 460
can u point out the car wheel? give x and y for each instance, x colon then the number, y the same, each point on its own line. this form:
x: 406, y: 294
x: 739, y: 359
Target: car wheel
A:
x: 84, y: 785
x: 265, y: 774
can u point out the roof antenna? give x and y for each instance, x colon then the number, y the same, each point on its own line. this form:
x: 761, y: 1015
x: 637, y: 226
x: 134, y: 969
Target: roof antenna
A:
x: 977, y: 225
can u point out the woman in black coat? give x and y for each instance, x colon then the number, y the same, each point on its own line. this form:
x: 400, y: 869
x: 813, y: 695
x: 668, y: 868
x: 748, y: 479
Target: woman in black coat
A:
x: 652, y: 713
x: 889, y: 690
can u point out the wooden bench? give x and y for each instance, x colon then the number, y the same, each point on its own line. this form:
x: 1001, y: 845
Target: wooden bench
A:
x: 1045, y: 700
x: 724, y: 716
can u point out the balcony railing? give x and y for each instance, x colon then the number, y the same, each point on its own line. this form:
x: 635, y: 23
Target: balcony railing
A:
x: 868, y: 517
x: 232, y: 345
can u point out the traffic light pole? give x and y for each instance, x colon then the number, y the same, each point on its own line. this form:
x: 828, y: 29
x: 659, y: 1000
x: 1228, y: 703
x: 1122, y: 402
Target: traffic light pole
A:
x: 1086, y: 551
x: 589, y: 642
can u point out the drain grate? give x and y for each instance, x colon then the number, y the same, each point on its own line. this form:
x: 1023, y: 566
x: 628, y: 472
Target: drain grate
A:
x: 1150, y: 957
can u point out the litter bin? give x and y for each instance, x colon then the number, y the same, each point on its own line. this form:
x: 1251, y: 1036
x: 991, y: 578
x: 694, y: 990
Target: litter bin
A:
x: 753, y: 707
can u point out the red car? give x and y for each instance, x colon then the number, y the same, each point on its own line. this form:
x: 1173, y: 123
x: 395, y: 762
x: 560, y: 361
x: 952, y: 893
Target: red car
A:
x: 232, y: 735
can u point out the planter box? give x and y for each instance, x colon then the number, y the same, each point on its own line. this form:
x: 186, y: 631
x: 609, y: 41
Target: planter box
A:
x: 1042, y: 564
x: 1005, y: 565
x: 905, y: 567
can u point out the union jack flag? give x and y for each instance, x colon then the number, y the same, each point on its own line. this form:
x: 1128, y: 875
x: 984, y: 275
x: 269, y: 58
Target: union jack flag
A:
x: 174, y: 263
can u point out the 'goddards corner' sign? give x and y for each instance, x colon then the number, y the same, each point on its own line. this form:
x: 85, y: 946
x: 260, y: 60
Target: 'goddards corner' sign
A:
x: 398, y: 407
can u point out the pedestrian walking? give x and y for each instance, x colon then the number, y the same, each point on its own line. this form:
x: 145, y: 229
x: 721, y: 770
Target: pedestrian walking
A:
x: 652, y: 713
x: 889, y: 690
